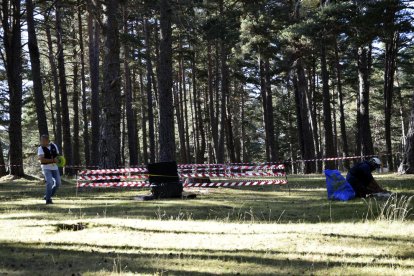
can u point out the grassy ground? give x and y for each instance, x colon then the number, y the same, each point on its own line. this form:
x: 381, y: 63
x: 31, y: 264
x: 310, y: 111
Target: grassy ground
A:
x: 224, y: 231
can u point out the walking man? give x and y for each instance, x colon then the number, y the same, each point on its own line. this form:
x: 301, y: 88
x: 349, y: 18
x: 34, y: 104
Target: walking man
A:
x: 47, y: 153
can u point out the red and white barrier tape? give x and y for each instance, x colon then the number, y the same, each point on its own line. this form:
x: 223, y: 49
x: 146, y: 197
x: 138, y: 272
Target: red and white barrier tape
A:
x: 215, y: 184
x: 237, y: 184
x: 201, y: 175
x: 338, y: 158
x: 142, y: 170
x: 113, y: 171
x: 111, y: 177
x: 114, y: 184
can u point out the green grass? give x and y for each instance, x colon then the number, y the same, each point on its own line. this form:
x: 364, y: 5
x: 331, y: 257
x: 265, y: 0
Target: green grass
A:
x: 224, y: 231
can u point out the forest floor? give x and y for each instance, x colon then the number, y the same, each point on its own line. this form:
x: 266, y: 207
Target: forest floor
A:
x: 224, y: 231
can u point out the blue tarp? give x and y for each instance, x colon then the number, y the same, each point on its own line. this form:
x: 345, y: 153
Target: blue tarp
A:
x: 337, y: 186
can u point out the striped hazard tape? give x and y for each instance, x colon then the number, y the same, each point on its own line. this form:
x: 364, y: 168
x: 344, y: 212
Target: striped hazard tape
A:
x: 141, y: 184
x: 113, y: 171
x: 237, y: 184
x: 216, y: 184
x: 201, y: 175
x: 143, y: 170
x: 111, y: 177
x: 198, y: 175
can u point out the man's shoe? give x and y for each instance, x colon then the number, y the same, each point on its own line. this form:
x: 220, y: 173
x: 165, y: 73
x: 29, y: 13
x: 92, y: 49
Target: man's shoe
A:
x: 44, y: 198
x: 49, y: 202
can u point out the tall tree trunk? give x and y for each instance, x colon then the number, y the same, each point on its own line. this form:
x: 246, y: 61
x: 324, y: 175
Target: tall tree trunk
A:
x: 36, y: 73
x: 149, y: 92
x: 292, y: 155
x: 364, y: 57
x: 166, y: 129
x: 58, y: 133
x: 224, y: 89
x: 135, y: 91
x: 109, y: 144
x: 13, y: 48
x: 123, y: 134
x: 408, y: 161
x: 196, y: 111
x: 391, y: 50
x: 94, y: 44
x: 3, y: 170
x: 75, y: 103
x: 312, y: 96
x: 341, y: 107
x: 358, y: 140
x: 402, y: 111
x: 224, y: 92
x: 184, y: 109
x: 130, y: 117
x: 243, y: 125
x: 298, y: 105
x: 51, y: 109
x: 269, y: 114
x: 199, y: 118
x: 67, y: 137
x: 211, y: 103
x: 143, y: 112
x: 86, y: 143
x: 308, y: 150
x: 180, y: 123
x: 327, y: 114
x: 264, y: 106
x: 229, y: 132
x: 217, y: 95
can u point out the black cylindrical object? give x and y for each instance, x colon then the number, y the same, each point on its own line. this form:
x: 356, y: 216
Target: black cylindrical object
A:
x: 164, y: 180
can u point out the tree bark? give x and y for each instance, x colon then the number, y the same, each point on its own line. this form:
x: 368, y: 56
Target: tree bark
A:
x: 341, y: 107
x: 75, y: 103
x: 86, y: 143
x: 364, y: 57
x: 131, y: 123
x: 67, y: 137
x: 201, y: 148
x: 264, y: 106
x: 408, y: 162
x: 298, y: 105
x: 36, y: 71
x: 180, y: 122
x: 143, y: 112
x: 312, y: 96
x: 94, y: 44
x: 110, y: 138
x: 391, y: 50
x: 224, y: 91
x: 327, y: 114
x: 3, y: 170
x: 211, y: 103
x: 269, y: 114
x: 58, y: 119
x: 308, y: 150
x: 149, y: 92
x: 166, y: 129
x: 13, y: 48
x: 184, y: 107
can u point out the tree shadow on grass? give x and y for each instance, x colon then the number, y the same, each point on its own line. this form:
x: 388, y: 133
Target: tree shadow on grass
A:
x: 49, y: 259
x: 307, y: 202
